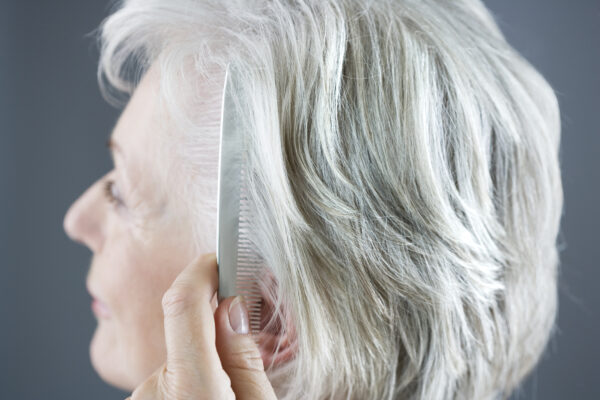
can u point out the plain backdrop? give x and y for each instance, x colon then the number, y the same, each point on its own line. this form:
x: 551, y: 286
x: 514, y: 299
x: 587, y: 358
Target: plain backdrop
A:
x: 53, y: 126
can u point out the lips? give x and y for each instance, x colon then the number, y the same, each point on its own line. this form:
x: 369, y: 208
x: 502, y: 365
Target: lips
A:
x: 99, y: 308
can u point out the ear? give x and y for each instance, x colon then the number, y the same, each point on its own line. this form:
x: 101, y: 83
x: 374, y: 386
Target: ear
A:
x: 276, y: 349
x: 277, y: 340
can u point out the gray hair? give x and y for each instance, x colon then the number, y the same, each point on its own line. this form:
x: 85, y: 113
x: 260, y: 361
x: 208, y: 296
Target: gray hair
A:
x: 403, y: 172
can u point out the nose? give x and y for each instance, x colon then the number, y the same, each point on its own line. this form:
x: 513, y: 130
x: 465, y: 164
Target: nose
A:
x: 84, y: 220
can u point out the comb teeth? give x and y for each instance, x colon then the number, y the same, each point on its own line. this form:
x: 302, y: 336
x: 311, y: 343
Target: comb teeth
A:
x: 239, y: 264
x: 249, y: 263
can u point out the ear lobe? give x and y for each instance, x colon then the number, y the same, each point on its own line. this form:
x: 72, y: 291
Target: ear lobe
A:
x: 276, y: 349
x: 277, y: 340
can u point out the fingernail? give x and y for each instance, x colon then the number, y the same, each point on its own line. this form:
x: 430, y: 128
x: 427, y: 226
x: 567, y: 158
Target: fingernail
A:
x: 238, y: 315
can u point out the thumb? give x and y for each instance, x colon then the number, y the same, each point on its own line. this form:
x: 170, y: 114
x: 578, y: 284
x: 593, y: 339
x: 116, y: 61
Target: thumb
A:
x: 239, y: 354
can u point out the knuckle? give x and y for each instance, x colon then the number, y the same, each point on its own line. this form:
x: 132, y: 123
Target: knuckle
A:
x: 247, y: 359
x: 177, y: 300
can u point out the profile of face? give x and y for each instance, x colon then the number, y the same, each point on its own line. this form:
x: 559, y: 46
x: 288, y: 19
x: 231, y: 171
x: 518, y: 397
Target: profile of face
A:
x: 140, y: 239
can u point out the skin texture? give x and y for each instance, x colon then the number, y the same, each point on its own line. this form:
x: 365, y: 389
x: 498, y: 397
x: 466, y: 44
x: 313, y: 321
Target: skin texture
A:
x: 209, y: 353
x: 139, y: 247
x: 163, y: 336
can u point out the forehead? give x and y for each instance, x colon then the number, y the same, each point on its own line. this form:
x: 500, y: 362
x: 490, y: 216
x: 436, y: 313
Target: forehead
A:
x: 136, y: 141
x: 138, y: 126
x: 160, y: 149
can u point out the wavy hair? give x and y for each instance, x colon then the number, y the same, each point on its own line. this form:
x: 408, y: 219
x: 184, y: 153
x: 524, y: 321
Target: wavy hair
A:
x: 403, y: 175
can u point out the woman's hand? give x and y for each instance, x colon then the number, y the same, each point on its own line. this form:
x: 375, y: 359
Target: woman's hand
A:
x: 209, y: 353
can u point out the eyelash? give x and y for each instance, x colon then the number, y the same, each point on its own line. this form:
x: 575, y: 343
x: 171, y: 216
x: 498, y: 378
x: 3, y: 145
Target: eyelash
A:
x: 108, y: 192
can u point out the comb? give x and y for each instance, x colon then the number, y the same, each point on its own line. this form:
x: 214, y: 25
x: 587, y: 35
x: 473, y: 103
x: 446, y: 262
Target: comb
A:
x: 237, y: 262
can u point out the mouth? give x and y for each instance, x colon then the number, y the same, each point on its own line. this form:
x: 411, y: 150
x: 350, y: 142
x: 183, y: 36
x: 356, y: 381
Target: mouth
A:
x: 99, y: 308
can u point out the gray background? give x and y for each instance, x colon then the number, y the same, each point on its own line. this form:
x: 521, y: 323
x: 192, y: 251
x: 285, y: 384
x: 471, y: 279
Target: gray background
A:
x: 53, y: 125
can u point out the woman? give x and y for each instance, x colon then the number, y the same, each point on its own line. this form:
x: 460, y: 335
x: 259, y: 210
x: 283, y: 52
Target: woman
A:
x: 404, y: 185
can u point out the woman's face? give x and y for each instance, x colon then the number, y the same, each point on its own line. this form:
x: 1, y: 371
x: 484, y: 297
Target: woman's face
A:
x: 140, y: 240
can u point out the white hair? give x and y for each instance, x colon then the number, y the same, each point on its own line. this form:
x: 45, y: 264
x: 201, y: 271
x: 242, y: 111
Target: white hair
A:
x: 403, y: 171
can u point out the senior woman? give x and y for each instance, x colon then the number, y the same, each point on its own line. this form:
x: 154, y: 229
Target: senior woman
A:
x: 404, y: 186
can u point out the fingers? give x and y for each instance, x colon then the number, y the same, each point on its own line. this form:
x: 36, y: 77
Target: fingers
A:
x: 189, y: 321
x: 195, y: 367
x: 239, y: 355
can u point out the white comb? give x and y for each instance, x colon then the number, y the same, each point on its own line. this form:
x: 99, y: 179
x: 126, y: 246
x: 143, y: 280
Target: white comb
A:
x: 238, y: 264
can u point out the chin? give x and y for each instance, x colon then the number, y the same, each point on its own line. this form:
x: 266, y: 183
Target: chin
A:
x: 108, y: 361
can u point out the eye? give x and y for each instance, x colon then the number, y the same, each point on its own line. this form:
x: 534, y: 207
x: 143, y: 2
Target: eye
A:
x: 112, y: 193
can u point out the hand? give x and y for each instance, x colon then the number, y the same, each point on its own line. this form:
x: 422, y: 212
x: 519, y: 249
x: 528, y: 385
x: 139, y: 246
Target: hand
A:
x: 209, y: 355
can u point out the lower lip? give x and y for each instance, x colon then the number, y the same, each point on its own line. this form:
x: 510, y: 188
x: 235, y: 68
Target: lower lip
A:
x: 100, y: 309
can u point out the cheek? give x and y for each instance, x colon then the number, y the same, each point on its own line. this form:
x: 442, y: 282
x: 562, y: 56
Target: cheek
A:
x: 134, y: 277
